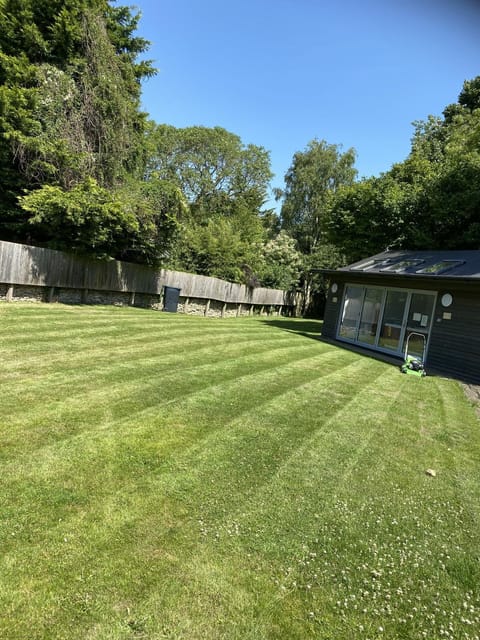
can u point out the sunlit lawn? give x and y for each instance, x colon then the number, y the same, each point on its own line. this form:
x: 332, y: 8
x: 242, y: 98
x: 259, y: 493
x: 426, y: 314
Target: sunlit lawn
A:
x: 164, y: 476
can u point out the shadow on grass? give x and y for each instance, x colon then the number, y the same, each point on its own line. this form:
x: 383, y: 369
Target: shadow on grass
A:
x: 308, y: 328
x: 313, y: 329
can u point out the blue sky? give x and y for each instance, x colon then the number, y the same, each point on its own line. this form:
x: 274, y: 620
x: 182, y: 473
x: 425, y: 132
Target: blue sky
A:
x: 280, y: 73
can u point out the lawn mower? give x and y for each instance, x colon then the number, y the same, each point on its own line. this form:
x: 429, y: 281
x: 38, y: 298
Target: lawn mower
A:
x: 414, y: 364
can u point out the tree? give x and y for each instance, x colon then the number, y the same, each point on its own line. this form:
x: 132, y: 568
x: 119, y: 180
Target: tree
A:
x: 69, y: 98
x: 161, y: 212
x: 218, y: 249
x: 314, y: 176
x: 282, y: 263
x: 365, y: 217
x: 212, y: 168
x: 311, y: 182
x: 445, y: 165
x: 431, y: 200
x: 225, y: 184
x: 87, y: 218
x: 451, y: 206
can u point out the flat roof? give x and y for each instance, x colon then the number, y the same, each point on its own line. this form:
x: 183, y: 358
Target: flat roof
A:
x: 445, y: 264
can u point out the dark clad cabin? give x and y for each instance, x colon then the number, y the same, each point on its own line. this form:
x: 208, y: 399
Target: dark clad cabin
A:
x: 378, y: 302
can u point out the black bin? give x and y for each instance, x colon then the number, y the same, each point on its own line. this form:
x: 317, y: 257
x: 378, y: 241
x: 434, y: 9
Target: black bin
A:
x: 170, y: 299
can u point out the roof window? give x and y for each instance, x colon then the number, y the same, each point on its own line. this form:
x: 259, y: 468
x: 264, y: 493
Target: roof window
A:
x: 374, y: 264
x: 403, y: 265
x: 441, y: 267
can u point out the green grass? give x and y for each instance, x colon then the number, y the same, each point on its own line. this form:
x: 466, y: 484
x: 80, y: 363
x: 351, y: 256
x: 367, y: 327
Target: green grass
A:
x: 164, y: 476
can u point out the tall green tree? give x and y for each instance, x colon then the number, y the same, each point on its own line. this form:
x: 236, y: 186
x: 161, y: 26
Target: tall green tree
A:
x: 69, y: 98
x: 313, y: 179
x: 212, y: 167
x: 226, y: 185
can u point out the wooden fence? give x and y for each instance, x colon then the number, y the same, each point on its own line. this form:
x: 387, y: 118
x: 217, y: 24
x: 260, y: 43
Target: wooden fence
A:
x: 23, y: 266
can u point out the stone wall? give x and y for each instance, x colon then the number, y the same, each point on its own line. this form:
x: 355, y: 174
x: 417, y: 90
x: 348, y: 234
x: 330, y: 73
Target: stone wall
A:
x: 68, y: 296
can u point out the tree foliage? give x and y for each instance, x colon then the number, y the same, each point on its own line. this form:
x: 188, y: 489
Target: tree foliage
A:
x: 218, y: 248
x: 311, y: 184
x: 225, y: 184
x: 281, y: 262
x: 313, y: 178
x: 429, y: 201
x: 212, y: 167
x: 161, y: 212
x: 86, y: 218
x: 71, y: 93
x: 69, y: 97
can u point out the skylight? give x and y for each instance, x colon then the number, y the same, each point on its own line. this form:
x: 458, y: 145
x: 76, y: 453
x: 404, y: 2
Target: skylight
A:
x: 379, y: 263
x: 403, y: 265
x: 441, y: 266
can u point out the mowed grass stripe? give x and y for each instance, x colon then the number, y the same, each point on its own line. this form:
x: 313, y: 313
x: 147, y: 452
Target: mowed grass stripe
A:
x: 127, y: 344
x: 182, y: 390
x: 287, y: 506
x: 74, y: 459
x: 261, y: 439
x: 110, y: 336
x: 66, y: 320
x: 99, y: 355
x: 126, y: 380
x: 119, y: 447
x: 153, y: 360
x: 76, y: 338
x: 343, y: 430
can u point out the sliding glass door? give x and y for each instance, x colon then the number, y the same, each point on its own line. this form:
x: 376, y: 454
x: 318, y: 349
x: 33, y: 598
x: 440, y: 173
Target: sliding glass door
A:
x: 383, y: 318
x: 368, y: 327
x: 360, y: 314
x: 393, y: 320
x: 419, y: 321
x: 352, y: 306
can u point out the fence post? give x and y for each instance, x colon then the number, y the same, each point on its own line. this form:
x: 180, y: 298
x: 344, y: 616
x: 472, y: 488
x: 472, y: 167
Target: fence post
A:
x: 224, y: 308
x: 207, y: 307
x: 51, y: 294
x: 239, y: 309
x: 9, y: 295
x: 132, y: 298
x: 185, y: 305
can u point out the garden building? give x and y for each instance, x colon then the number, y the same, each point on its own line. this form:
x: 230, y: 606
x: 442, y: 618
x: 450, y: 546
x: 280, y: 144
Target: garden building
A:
x: 379, y: 302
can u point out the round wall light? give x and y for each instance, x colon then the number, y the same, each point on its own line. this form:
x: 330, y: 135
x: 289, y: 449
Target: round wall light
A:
x: 334, y: 287
x: 447, y: 300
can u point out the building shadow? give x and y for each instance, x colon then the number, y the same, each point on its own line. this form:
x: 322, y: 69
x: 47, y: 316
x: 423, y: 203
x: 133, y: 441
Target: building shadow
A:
x: 313, y: 329
x: 307, y: 328
x: 363, y: 351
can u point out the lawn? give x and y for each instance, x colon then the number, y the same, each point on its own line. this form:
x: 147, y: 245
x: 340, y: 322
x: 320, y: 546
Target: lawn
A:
x: 165, y: 476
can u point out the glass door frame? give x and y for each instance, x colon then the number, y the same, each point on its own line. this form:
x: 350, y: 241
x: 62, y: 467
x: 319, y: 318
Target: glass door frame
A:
x: 379, y: 319
x: 401, y: 342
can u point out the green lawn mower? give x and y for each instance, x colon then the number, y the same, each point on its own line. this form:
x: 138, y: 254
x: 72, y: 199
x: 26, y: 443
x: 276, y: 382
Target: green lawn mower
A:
x: 414, y: 364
